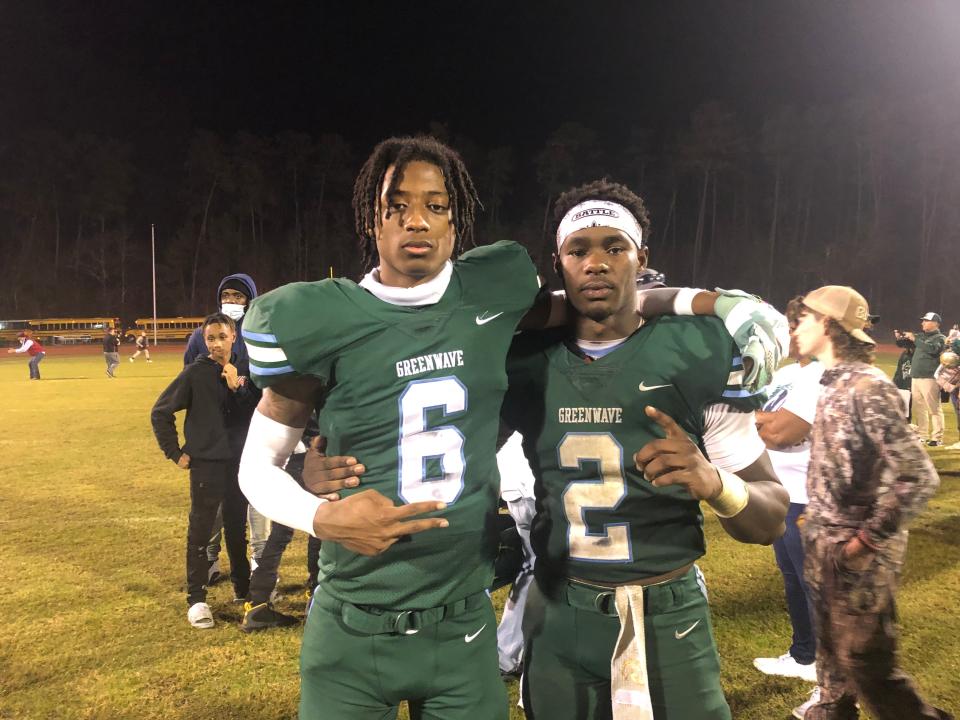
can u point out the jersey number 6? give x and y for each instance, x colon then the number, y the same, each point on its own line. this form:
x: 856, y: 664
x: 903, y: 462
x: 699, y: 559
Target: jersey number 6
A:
x: 420, y: 479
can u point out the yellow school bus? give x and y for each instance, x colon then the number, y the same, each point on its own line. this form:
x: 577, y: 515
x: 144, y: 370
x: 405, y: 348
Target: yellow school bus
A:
x: 177, y: 328
x: 72, y: 330
x: 9, y: 329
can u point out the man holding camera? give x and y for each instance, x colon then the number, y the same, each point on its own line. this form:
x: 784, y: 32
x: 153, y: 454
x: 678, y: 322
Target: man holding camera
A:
x: 927, y: 411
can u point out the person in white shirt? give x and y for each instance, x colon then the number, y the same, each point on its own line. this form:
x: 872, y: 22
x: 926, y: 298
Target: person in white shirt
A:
x: 784, y: 425
x: 516, y: 489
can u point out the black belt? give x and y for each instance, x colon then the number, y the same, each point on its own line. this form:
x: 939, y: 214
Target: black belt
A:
x: 378, y: 621
x: 599, y: 599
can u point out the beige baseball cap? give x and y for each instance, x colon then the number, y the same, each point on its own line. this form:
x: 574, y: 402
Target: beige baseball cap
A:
x: 843, y: 304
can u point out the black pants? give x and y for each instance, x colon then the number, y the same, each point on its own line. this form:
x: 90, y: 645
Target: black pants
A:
x: 213, y: 482
x: 264, y: 578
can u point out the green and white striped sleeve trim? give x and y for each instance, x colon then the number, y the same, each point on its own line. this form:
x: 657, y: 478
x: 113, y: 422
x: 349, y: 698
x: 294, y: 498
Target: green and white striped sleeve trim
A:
x: 735, y: 394
x: 734, y: 389
x: 267, y: 358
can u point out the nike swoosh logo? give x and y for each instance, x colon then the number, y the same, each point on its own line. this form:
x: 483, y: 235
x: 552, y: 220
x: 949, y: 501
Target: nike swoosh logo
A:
x: 682, y: 635
x: 470, y: 638
x: 645, y: 388
x: 483, y: 319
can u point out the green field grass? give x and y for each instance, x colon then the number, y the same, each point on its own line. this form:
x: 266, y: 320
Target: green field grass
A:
x: 92, y: 528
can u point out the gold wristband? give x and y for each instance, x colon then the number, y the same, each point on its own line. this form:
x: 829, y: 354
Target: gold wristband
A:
x: 733, y: 498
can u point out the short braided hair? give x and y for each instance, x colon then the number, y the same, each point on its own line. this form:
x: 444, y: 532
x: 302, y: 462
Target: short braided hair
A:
x: 399, y: 152
x: 603, y: 189
x: 218, y: 318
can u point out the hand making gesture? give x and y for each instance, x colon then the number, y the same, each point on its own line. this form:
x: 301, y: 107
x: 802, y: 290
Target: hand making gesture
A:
x: 676, y: 460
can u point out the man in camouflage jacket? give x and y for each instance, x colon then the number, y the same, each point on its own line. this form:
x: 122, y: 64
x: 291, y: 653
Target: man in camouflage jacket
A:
x: 867, y: 478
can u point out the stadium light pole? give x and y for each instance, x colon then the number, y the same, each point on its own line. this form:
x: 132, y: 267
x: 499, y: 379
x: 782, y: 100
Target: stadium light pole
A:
x: 153, y: 269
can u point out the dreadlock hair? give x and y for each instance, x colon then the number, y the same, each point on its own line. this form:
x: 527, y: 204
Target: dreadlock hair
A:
x: 603, y: 189
x: 399, y: 152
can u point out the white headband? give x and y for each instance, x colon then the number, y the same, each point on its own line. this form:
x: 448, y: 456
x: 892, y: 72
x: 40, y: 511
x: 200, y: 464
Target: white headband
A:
x: 599, y: 213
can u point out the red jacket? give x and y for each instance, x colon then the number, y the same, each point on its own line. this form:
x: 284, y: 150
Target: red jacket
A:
x: 35, y: 349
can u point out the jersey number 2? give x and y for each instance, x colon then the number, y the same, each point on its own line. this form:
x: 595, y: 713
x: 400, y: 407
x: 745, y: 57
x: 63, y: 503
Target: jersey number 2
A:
x: 603, y: 493
x: 431, y: 460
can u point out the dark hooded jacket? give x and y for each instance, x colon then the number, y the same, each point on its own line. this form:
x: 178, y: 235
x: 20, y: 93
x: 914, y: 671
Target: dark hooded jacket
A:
x: 217, y: 419
x: 196, y: 347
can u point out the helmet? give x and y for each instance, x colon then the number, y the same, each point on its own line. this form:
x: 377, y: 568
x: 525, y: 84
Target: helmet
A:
x: 650, y: 278
x: 949, y: 359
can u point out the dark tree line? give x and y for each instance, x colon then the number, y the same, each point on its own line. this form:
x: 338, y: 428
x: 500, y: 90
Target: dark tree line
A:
x: 866, y: 193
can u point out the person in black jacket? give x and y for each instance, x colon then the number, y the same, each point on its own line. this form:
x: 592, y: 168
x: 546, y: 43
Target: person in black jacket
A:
x: 901, y: 376
x: 111, y: 351
x: 218, y: 400
x: 234, y: 294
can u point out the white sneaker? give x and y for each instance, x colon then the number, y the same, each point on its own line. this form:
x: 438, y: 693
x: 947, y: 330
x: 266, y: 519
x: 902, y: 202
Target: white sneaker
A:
x: 200, y: 616
x: 786, y: 666
x: 801, y: 710
x: 130, y: 359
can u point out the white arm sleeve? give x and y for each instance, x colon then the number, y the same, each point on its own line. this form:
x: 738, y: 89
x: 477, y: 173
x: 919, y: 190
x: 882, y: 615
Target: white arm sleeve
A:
x: 730, y: 437
x: 683, y: 302
x: 23, y: 348
x: 262, y: 479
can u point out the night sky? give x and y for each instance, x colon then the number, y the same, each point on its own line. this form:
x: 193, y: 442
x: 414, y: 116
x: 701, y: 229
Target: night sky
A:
x: 496, y: 72
x: 119, y: 115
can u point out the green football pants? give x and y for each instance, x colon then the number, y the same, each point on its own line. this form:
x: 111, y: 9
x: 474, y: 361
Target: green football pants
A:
x: 446, y: 670
x: 570, y: 641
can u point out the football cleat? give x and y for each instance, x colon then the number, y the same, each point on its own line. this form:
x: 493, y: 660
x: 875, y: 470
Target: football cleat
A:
x: 263, y: 617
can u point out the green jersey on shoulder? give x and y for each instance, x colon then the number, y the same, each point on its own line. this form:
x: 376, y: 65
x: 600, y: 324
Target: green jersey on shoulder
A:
x: 598, y: 519
x: 414, y: 394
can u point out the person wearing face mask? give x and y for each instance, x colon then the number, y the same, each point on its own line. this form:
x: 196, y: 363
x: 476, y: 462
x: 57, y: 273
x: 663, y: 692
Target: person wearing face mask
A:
x: 234, y: 294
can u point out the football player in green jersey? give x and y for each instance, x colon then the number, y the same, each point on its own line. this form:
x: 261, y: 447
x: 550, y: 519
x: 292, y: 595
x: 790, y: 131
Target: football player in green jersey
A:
x: 409, y: 366
x: 618, y: 625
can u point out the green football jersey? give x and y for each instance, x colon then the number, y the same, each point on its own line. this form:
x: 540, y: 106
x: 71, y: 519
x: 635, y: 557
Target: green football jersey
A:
x: 598, y: 519
x: 414, y: 393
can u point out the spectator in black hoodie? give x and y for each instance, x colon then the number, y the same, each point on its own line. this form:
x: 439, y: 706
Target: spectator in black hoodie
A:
x: 234, y: 294
x: 218, y: 401
x: 111, y: 351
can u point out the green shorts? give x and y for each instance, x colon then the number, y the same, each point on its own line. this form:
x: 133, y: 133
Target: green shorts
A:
x: 570, y: 641
x: 359, y: 664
